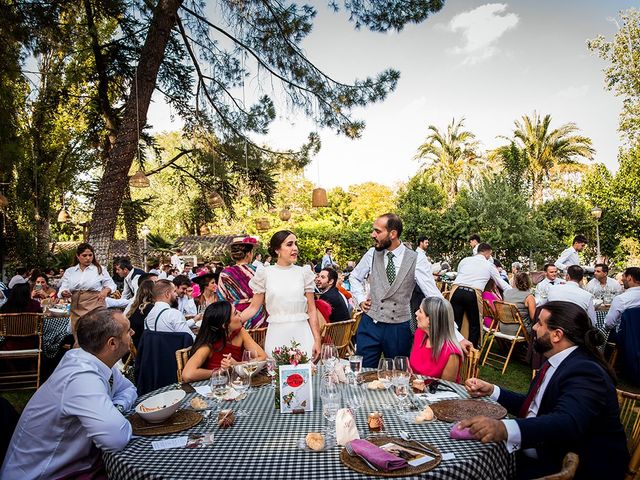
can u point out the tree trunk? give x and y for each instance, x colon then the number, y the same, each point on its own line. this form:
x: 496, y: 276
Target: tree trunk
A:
x: 114, y: 180
x: 131, y: 228
x: 43, y: 235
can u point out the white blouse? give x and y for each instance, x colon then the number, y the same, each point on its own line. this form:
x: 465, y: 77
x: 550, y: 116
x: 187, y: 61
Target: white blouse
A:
x: 89, y: 279
x: 284, y: 289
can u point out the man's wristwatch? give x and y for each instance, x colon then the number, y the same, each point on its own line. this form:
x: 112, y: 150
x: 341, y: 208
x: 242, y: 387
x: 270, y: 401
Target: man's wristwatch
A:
x: 119, y: 407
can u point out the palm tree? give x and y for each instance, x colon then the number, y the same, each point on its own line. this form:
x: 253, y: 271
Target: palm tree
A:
x: 452, y: 158
x: 546, y: 151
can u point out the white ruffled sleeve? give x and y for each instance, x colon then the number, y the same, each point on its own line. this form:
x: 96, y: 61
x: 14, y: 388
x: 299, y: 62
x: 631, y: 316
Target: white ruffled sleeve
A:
x: 259, y: 281
x: 309, y: 280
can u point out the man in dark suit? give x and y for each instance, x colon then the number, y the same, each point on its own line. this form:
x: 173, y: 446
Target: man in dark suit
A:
x: 326, y: 283
x: 571, y: 405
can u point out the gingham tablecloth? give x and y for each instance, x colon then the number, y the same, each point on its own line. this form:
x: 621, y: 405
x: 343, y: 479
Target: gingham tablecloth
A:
x: 54, y: 331
x: 263, y: 445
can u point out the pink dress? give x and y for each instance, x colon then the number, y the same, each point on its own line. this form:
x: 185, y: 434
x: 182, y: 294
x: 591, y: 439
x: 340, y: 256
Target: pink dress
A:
x: 422, y: 362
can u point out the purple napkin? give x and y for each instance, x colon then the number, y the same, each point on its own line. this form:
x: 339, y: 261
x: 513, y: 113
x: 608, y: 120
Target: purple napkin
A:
x: 380, y: 458
x: 464, y: 434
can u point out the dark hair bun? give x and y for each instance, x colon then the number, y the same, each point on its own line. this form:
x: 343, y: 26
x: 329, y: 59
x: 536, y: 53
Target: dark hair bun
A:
x: 594, y: 337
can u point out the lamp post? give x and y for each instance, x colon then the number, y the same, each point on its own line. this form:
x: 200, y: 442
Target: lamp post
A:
x: 596, y: 212
x: 145, y: 231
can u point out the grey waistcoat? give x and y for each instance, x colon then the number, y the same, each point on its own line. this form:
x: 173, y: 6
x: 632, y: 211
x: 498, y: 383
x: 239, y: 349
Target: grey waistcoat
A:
x: 391, y: 303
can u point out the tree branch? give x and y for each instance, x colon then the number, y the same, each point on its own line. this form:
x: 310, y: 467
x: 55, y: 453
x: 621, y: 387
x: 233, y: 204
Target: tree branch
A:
x: 170, y: 162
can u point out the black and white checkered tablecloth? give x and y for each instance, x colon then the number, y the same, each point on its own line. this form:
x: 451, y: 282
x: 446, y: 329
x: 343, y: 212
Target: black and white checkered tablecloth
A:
x: 263, y: 445
x: 54, y: 331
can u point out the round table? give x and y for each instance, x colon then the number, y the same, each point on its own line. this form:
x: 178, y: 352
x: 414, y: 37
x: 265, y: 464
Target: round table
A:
x: 263, y: 445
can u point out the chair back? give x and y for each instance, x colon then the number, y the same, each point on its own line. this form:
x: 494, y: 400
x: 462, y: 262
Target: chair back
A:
x: 487, y: 310
x: 569, y: 467
x: 340, y: 334
x: 630, y: 419
x: 21, y: 324
x: 508, y: 314
x: 182, y: 356
x: 628, y: 343
x: 470, y: 365
x: 259, y: 335
x: 20, y: 376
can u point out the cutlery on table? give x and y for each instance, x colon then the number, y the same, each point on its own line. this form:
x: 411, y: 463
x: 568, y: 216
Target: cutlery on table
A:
x: 352, y: 453
x: 165, y: 425
x: 407, y: 437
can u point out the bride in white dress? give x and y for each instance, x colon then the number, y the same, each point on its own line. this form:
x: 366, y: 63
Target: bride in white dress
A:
x: 286, y: 290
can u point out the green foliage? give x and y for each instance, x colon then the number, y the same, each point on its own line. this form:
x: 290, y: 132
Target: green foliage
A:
x: 420, y: 202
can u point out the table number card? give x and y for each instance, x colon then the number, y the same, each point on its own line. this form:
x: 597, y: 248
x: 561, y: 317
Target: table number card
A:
x: 296, y: 389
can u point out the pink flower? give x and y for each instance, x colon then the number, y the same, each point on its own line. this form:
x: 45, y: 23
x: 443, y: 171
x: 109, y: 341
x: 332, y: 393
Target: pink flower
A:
x: 294, y: 362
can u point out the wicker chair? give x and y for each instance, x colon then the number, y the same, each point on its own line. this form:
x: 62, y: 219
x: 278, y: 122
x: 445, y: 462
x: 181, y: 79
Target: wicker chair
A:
x: 357, y: 316
x: 340, y: 334
x: 569, y: 467
x: 21, y: 326
x: 507, y: 314
x: 630, y: 418
x: 259, y: 335
x: 182, y: 356
x: 470, y: 365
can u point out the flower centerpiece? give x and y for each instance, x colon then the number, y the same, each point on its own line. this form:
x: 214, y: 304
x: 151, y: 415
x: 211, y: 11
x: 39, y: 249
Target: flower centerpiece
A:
x: 286, y: 355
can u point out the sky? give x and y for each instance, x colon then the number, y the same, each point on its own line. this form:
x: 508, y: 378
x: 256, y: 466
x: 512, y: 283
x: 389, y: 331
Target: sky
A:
x: 490, y: 63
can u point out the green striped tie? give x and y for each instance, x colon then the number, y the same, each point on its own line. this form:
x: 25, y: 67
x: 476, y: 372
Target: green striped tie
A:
x: 391, y: 268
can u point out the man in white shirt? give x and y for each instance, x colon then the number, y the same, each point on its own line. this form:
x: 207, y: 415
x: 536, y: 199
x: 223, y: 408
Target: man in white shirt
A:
x: 574, y: 293
x: 570, y: 256
x: 176, y: 262
x: 423, y: 244
x: 130, y: 275
x: 78, y: 408
x: 474, y: 241
x: 186, y: 304
x: 630, y: 298
x: 164, y: 318
x: 550, y: 278
x: 602, y: 284
x: 188, y: 271
x: 571, y: 405
x: 466, y: 295
x: 20, y: 277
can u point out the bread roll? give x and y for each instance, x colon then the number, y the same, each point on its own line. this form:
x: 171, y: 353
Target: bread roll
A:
x: 314, y: 440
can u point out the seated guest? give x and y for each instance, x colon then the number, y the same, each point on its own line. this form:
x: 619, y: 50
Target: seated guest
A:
x: 491, y: 293
x: 155, y: 267
x: 147, y: 276
x: 436, y: 351
x: 326, y: 282
x: 630, y: 298
x: 520, y: 295
x: 20, y: 277
x: 573, y: 292
x: 78, y: 408
x: 140, y: 308
x: 20, y: 300
x: 186, y: 304
x: 164, y: 318
x: 208, y: 286
x: 550, y: 278
x: 601, y: 283
x: 220, y: 342
x: 571, y: 405
x: 41, y: 289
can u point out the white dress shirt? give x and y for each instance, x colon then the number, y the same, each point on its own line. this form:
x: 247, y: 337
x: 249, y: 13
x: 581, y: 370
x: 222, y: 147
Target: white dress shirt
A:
x: 187, y: 306
x: 475, y: 272
x: 514, y: 436
x: 327, y: 261
x: 69, y: 415
x: 130, y: 285
x: 595, y: 288
x: 170, y: 321
x: 423, y: 276
x: 630, y: 298
x: 176, y: 262
x: 574, y: 293
x: 567, y: 258
x: 16, y: 280
x: 75, y: 279
x: 542, y: 289
x: 475, y: 249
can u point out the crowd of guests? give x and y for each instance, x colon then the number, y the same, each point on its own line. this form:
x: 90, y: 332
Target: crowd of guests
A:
x: 213, y: 310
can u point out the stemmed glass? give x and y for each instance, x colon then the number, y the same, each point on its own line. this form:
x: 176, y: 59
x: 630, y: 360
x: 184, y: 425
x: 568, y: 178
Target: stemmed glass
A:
x: 331, y: 397
x: 329, y: 356
x: 219, y: 385
x: 401, y: 378
x: 271, y: 370
x: 354, y: 397
x: 385, y: 371
x: 250, y: 364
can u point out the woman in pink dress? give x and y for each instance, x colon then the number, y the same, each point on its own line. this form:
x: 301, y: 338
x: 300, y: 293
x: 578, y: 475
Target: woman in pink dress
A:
x: 436, y: 352
x: 491, y: 293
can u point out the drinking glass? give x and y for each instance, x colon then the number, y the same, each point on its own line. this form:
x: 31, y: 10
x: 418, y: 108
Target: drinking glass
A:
x: 330, y: 397
x: 401, y: 378
x: 355, y: 363
x: 219, y: 385
x: 240, y: 378
x: 271, y: 369
x: 329, y: 356
x: 250, y: 364
x: 385, y: 370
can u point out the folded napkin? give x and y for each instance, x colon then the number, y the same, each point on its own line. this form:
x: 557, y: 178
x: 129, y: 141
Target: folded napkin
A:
x: 378, y: 457
x: 346, y: 429
x: 203, y: 390
x: 461, y: 434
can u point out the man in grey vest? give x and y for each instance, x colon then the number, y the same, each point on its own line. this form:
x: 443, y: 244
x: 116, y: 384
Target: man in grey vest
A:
x: 393, y: 271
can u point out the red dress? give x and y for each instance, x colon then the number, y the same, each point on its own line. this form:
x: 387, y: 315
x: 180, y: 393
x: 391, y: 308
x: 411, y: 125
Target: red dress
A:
x: 423, y: 363
x: 215, y: 358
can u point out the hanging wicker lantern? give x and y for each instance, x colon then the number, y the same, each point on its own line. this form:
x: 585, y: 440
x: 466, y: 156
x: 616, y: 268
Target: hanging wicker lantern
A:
x: 262, y: 224
x: 63, y: 216
x: 139, y: 180
x: 285, y: 214
x: 214, y: 199
x: 4, y: 202
x: 319, y: 197
x: 204, y: 230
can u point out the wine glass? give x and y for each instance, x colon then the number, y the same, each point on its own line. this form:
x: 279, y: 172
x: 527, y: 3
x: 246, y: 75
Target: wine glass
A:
x: 240, y: 378
x: 354, y: 397
x: 250, y: 364
x: 329, y: 356
x: 331, y: 397
x: 401, y: 377
x: 219, y: 384
x: 385, y: 371
x: 271, y: 369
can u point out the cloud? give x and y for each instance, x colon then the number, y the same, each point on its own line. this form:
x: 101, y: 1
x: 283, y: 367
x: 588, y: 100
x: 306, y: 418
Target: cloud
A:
x: 481, y: 28
x: 573, y: 92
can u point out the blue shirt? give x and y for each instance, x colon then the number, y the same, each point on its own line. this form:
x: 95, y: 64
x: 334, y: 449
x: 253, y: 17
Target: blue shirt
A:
x: 70, y: 415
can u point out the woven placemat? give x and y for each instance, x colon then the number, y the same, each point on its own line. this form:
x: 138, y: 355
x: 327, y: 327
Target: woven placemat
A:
x: 456, y: 410
x: 356, y: 463
x: 370, y: 376
x: 179, y: 421
x: 260, y: 379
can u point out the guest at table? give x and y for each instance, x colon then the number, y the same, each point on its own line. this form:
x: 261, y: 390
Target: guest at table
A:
x: 491, y: 293
x: 550, y: 278
x: 163, y: 317
x: 208, y: 284
x: 21, y: 276
x: 574, y: 293
x: 571, y: 406
x: 78, y: 408
x: 286, y: 290
x: 520, y: 295
x: 630, y: 298
x: 20, y: 301
x: 233, y: 284
x: 436, y: 351
x: 601, y: 285
x: 220, y: 342
x: 186, y: 304
x: 140, y: 308
x: 87, y: 284
x: 41, y: 289
x: 326, y: 282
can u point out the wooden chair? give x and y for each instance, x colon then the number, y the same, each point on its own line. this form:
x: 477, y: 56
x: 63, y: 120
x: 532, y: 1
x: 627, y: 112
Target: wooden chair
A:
x: 470, y: 365
x: 259, y: 335
x: 182, y: 356
x: 21, y: 326
x: 357, y: 316
x: 127, y: 366
x: 507, y: 314
x: 488, y: 311
x: 569, y: 467
x: 630, y: 419
x: 340, y: 334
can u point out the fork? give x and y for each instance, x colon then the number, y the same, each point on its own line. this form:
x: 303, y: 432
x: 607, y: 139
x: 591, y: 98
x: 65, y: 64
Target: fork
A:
x: 352, y: 453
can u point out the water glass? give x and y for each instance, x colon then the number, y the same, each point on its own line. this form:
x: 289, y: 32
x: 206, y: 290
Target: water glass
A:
x: 355, y: 363
x: 329, y: 356
x: 331, y: 398
x: 271, y: 369
x: 219, y: 384
x: 385, y: 371
x: 240, y: 378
